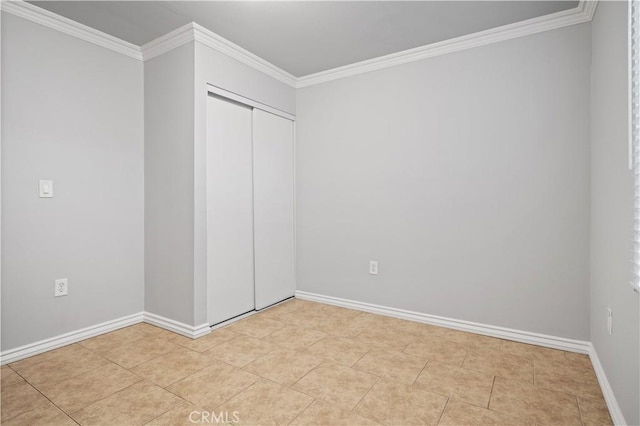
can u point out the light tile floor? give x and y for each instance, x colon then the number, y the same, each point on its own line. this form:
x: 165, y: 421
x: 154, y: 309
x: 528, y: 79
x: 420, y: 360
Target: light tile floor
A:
x: 302, y: 363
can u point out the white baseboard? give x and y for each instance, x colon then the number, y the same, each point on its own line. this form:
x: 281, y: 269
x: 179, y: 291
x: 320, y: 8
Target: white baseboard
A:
x: 45, y: 345
x: 554, y: 342
x: 607, y: 392
x: 176, y: 326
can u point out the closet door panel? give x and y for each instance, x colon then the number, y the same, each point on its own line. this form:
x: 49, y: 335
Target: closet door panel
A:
x: 229, y: 210
x: 273, y: 208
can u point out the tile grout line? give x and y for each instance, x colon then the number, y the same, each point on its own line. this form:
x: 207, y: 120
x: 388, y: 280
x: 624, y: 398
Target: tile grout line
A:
x: 238, y: 393
x: 302, y: 411
x: 579, y: 410
x: 43, y: 395
x: 493, y: 384
x: 166, y: 411
x: 421, y: 371
x: 378, y: 380
x: 108, y: 396
x: 443, y: 410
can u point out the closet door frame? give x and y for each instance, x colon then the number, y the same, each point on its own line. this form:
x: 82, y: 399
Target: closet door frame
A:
x: 249, y: 102
x: 218, y: 91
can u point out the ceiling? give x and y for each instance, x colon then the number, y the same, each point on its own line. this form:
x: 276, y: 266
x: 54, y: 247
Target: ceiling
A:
x: 306, y: 37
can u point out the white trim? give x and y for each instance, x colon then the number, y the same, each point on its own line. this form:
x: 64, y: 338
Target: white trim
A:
x: 582, y: 13
x: 545, y: 340
x: 194, y: 32
x: 176, y: 326
x: 51, y: 343
x: 167, y: 42
x: 248, y: 101
x: 31, y: 349
x: 232, y: 50
x: 607, y: 392
x: 51, y: 20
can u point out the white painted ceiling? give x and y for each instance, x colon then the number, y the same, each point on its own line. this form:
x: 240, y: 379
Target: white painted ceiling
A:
x: 309, y: 36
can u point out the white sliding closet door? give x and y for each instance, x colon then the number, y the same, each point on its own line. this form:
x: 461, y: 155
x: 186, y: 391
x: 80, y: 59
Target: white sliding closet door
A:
x: 229, y: 210
x: 273, y: 208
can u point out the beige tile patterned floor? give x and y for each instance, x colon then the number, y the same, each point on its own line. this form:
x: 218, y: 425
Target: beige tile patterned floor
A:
x: 302, y: 363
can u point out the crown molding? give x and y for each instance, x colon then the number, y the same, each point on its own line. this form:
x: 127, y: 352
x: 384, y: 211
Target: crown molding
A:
x: 167, y: 42
x: 194, y: 32
x: 224, y: 46
x: 582, y: 13
x: 51, y: 20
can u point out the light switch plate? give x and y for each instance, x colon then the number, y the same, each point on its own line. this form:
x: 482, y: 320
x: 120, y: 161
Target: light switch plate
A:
x: 46, y: 189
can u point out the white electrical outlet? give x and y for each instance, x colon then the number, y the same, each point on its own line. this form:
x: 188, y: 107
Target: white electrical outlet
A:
x: 373, y: 267
x: 61, y: 287
x: 609, y: 321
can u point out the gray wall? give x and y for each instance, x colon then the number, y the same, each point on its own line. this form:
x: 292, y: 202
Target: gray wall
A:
x: 612, y: 211
x: 71, y: 112
x: 466, y: 176
x: 169, y: 159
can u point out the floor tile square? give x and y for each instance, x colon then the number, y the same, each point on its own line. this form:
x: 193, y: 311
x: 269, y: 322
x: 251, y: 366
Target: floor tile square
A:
x: 135, y: 405
x: 439, y: 350
x: 421, y: 331
x: 533, y: 404
x: 571, y: 378
x: 59, y: 365
x: 214, y: 384
x: 537, y: 353
x: 108, y: 341
x: 392, y: 365
x: 307, y: 317
x: 9, y: 377
x: 322, y: 414
x: 474, y: 341
x: 131, y: 354
x: 52, y: 355
x: 265, y: 403
x: 171, y: 367
x: 87, y: 388
x: 283, y: 366
x: 255, y: 326
x: 240, y: 351
x: 342, y: 327
x: 460, y: 413
x: 184, y: 414
x: 206, y: 342
x: 469, y: 386
x: 393, y: 403
x: 594, y: 411
x: 20, y: 398
x: 41, y: 416
x: 339, y: 349
x: 336, y: 384
x: 295, y: 338
x: 155, y: 331
x: 386, y: 338
x: 337, y: 312
x: 501, y: 364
